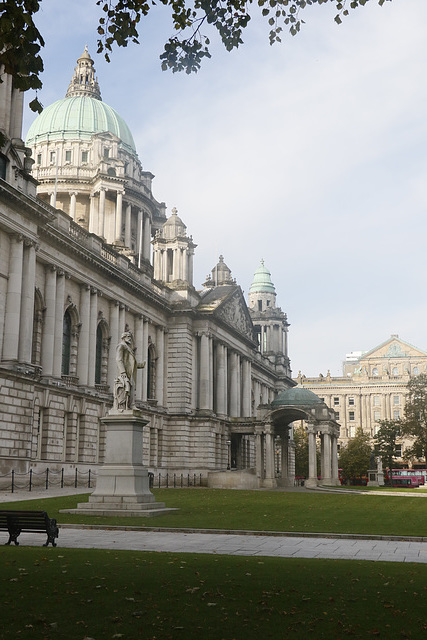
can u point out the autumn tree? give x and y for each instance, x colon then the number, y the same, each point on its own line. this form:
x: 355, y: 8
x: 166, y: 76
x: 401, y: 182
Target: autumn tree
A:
x: 354, y: 458
x: 414, y: 424
x: 192, y: 22
x: 386, y: 440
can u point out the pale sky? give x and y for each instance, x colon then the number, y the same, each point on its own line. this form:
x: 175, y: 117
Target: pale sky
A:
x: 310, y: 154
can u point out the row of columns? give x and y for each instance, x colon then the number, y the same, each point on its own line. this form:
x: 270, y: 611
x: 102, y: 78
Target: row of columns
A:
x: 328, y: 454
x: 273, y: 337
x: 98, y: 224
x: 224, y: 379
x: 19, y: 320
x: 174, y: 263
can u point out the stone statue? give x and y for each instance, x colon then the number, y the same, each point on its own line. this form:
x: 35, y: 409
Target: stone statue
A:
x: 372, y: 464
x: 127, y: 365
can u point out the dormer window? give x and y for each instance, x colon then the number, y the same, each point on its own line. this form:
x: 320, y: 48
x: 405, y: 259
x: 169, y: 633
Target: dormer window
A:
x: 84, y: 156
x: 106, y: 153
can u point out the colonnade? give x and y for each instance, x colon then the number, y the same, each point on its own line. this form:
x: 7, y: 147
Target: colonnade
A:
x: 111, y: 229
x: 85, y: 316
x: 174, y: 263
x: 224, y: 384
x: 273, y: 337
x: 328, y: 453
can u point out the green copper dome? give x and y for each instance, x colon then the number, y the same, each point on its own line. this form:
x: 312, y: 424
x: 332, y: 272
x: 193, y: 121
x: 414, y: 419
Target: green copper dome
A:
x: 78, y: 118
x: 296, y: 397
x: 262, y: 281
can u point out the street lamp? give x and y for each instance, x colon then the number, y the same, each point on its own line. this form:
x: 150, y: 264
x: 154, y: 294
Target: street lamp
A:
x: 228, y: 443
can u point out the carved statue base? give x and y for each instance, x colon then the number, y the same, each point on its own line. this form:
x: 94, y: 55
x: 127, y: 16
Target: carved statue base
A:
x: 122, y: 486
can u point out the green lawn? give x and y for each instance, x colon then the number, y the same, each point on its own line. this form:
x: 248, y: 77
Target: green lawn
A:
x: 266, y: 511
x: 81, y: 594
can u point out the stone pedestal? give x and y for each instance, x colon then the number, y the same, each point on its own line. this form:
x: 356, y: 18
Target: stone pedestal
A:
x: 375, y: 478
x: 122, y: 486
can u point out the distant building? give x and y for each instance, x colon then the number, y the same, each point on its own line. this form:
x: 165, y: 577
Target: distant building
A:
x: 372, y: 388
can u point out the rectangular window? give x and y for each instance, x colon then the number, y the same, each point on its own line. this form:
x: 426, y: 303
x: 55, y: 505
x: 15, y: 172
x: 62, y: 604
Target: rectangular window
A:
x: 84, y: 156
x: 376, y: 401
x: 39, y: 158
x: 396, y: 414
x: 106, y: 152
x: 396, y: 400
x: 377, y: 415
x: 336, y: 401
x: 351, y: 415
x: 52, y: 157
x: 337, y: 415
x: 351, y: 401
x: 68, y: 156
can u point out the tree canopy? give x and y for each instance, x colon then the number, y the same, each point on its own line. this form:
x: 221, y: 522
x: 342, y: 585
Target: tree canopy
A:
x: 354, y: 459
x: 119, y: 21
x: 415, y: 422
x: 386, y: 440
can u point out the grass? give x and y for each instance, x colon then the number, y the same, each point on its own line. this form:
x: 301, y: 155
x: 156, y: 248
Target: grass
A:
x: 265, y: 511
x: 76, y: 594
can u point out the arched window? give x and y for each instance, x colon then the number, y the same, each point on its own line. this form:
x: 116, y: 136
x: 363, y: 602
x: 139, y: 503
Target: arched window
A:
x: 395, y: 371
x: 374, y: 371
x: 151, y: 372
x: 66, y: 343
x: 415, y: 371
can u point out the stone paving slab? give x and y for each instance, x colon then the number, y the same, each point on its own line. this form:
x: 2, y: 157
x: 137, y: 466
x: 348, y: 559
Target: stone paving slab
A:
x: 229, y: 544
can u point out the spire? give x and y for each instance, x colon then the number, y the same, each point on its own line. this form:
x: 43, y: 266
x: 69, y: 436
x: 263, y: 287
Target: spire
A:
x: 84, y: 82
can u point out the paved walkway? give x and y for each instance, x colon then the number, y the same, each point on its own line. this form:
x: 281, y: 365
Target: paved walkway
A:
x: 274, y: 545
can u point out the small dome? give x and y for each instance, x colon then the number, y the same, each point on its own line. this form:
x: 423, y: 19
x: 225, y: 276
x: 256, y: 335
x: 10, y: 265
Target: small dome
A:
x: 79, y: 118
x: 296, y: 396
x: 262, y: 281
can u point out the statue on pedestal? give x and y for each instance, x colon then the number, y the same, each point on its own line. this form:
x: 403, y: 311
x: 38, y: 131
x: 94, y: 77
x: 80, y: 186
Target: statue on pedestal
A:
x: 127, y: 366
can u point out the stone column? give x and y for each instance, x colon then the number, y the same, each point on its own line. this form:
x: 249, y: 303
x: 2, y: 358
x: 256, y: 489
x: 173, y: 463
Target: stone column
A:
x: 122, y: 320
x: 145, y: 359
x: 312, y: 461
x: 12, y: 314
x: 139, y: 344
x: 327, y: 465
x: 269, y: 460
x: 73, y: 199
x: 101, y: 213
x: 234, y: 390
x: 48, y: 335
x: 284, y: 450
x: 93, y: 324
x: 128, y: 223
x: 27, y: 303
x: 259, y: 455
x: 119, y: 203
x: 334, y: 461
x: 204, y: 371
x: 147, y: 236
x: 246, y: 383
x: 92, y: 213
x: 114, y: 333
x: 83, y: 359
x: 59, y: 324
x: 139, y: 236
x: 221, y: 403
x: 160, y: 349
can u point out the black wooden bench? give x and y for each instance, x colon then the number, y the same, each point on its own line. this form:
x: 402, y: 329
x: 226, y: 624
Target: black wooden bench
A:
x: 16, y: 522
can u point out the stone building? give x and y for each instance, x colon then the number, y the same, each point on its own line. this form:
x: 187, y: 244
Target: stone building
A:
x: 372, y: 388
x: 87, y: 252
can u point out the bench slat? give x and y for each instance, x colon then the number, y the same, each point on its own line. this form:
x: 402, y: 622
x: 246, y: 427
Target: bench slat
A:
x: 16, y: 522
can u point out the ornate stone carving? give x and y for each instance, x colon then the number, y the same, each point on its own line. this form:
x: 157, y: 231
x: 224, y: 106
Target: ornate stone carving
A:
x: 234, y: 313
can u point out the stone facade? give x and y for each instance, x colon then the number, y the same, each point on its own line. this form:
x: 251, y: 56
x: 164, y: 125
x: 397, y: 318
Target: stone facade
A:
x: 372, y: 388
x: 86, y: 252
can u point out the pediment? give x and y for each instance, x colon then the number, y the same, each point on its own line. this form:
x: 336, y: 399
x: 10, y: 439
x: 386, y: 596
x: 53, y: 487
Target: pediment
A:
x: 394, y: 348
x: 234, y: 312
